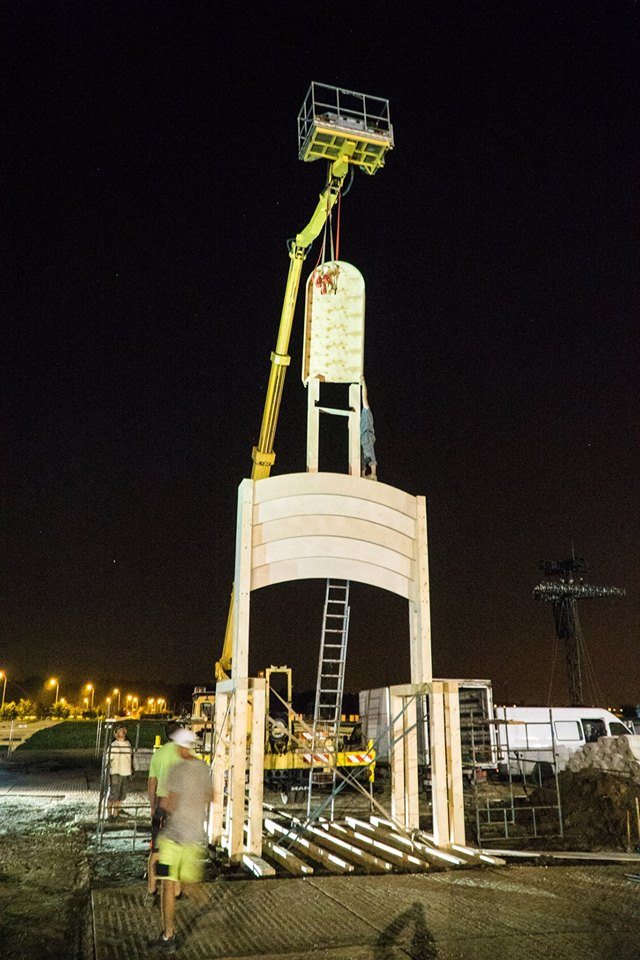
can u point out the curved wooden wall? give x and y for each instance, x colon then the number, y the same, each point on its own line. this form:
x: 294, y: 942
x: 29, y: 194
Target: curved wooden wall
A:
x: 321, y: 525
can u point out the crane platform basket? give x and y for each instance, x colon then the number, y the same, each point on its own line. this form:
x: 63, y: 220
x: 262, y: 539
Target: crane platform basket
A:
x: 335, y: 123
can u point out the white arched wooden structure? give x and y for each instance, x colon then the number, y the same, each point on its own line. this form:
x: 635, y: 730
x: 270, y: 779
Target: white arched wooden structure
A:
x: 322, y: 525
x: 332, y: 525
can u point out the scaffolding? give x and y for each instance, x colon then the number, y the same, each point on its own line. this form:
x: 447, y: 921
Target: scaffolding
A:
x: 526, y: 803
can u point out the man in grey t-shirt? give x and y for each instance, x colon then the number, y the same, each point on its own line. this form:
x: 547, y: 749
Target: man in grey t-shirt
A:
x: 181, y: 842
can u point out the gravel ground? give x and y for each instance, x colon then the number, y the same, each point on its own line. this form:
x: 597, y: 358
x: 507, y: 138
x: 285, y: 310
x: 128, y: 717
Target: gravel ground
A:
x: 45, y: 875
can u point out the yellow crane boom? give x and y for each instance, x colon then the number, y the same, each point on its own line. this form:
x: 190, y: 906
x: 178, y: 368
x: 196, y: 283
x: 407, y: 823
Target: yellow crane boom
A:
x: 263, y: 454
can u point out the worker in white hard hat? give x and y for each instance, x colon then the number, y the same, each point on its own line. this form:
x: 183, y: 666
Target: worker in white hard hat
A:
x: 181, y: 843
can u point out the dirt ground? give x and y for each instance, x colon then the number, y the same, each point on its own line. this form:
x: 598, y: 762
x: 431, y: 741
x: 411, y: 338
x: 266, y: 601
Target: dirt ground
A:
x: 46, y: 875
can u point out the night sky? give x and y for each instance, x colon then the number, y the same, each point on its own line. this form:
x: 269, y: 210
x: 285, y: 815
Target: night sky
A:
x: 150, y: 180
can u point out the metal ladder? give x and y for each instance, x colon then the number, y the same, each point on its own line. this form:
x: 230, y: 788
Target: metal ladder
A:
x: 330, y: 683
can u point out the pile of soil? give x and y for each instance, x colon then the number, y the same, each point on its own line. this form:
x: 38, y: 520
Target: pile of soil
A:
x: 599, y: 810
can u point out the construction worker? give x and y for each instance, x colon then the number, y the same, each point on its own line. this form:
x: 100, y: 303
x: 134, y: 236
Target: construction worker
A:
x: 182, y: 840
x: 120, y: 771
x: 367, y: 437
x: 161, y: 763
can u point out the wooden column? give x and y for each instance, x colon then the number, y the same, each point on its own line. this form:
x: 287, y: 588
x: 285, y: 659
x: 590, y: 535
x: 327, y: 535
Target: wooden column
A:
x: 453, y: 746
x: 313, y: 425
x: 438, y: 756
x: 240, y: 678
x: 219, y: 763
x: 256, y: 766
x: 396, y: 756
x: 419, y: 607
x: 354, y: 429
x: 405, y: 786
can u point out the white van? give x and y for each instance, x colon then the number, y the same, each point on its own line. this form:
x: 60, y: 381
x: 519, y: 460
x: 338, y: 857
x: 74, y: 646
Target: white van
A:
x: 531, y: 738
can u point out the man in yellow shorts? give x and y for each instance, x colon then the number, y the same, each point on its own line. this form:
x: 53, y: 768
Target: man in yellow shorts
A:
x: 161, y: 762
x: 181, y: 842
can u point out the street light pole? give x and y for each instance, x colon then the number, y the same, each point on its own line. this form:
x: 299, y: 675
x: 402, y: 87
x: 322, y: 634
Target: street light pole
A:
x: 90, y: 687
x: 117, y: 690
x: 3, y: 676
x: 55, y: 683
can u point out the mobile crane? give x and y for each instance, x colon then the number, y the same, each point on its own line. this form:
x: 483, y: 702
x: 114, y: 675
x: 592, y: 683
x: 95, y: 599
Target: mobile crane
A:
x: 346, y: 129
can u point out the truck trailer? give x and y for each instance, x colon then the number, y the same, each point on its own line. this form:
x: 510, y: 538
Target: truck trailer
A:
x: 477, y: 735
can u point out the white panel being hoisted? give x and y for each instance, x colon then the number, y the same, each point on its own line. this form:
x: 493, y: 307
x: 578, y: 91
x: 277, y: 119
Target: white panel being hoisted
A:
x: 334, y: 324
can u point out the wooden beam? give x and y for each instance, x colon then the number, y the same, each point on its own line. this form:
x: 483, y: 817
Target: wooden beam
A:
x: 421, y: 668
x: 312, y: 850
x: 396, y: 756
x: 338, y: 838
x: 420, y: 844
x: 219, y: 763
x: 292, y: 864
x: 313, y: 424
x: 257, y: 866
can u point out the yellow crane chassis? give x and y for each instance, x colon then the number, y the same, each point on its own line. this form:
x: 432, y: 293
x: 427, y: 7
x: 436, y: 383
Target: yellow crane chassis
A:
x: 300, y: 760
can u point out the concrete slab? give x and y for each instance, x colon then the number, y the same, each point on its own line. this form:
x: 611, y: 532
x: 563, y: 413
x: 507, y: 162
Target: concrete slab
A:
x: 582, y: 912
x: 236, y: 918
